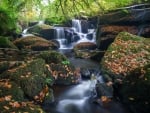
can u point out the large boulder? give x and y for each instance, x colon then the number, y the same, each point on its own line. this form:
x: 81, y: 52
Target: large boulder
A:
x: 42, y: 30
x: 35, y: 43
x: 31, y: 77
x: 126, y: 64
x: 60, y: 67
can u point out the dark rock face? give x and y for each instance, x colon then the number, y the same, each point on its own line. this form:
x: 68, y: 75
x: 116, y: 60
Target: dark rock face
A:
x: 134, y: 19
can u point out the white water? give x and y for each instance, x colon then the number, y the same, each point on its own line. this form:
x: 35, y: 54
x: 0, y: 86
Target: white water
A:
x: 75, y: 100
x: 77, y: 32
x: 77, y: 25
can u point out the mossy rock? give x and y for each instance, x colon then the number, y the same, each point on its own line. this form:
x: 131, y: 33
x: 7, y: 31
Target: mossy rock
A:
x: 127, y: 62
x: 65, y: 74
x: 52, y: 57
x: 30, y: 76
x: 37, y: 28
x: 11, y: 90
x: 19, y: 107
x: 126, y: 53
x: 35, y: 43
x: 5, y: 65
x: 135, y: 90
x: 6, y: 43
x: 42, y: 30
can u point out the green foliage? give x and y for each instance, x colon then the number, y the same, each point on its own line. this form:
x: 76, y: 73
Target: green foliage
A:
x: 7, y: 21
x: 65, y: 62
x: 6, y: 43
x: 56, y: 11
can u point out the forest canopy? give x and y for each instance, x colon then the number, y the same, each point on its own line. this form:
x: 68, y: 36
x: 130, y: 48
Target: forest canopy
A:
x: 58, y: 10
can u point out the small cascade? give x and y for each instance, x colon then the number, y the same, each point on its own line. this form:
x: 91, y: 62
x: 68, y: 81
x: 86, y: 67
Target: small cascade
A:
x: 60, y: 37
x: 77, y: 25
x: 76, y: 99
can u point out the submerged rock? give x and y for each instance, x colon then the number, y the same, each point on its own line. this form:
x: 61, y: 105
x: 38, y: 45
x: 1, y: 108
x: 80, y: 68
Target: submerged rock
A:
x: 127, y: 62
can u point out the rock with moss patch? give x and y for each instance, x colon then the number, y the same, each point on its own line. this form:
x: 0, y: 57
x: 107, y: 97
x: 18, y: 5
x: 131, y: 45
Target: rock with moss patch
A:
x: 30, y: 76
x: 11, y: 106
x: 42, y: 30
x: 127, y: 62
x: 35, y: 43
x: 10, y: 90
x: 60, y: 67
x: 6, y: 43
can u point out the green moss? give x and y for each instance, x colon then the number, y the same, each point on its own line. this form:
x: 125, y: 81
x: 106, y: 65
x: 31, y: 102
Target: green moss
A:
x: 52, y: 57
x: 31, y: 76
x: 14, y: 90
x: 127, y: 36
x: 6, y: 43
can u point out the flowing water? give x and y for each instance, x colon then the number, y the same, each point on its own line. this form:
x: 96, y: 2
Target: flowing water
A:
x: 78, y: 98
x: 67, y: 42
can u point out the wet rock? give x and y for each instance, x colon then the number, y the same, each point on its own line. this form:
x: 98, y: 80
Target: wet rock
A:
x: 103, y: 89
x: 85, y: 73
x: 85, y: 45
x: 85, y: 49
x: 35, y: 43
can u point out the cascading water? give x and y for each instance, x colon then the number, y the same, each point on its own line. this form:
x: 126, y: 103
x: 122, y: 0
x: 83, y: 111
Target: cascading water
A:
x: 68, y: 37
x: 60, y: 37
x: 77, y: 25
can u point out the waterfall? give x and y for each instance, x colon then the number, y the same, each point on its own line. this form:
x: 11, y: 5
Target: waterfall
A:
x: 60, y: 34
x: 60, y: 37
x: 77, y: 25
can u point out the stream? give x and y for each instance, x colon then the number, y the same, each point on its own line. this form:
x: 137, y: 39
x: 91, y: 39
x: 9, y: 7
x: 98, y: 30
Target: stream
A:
x: 78, y: 98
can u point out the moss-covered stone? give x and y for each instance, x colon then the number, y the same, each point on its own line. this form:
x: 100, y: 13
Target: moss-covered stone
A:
x: 11, y: 90
x: 10, y: 106
x: 42, y: 30
x: 126, y: 53
x: 30, y: 76
x: 6, y: 43
x: 52, y: 57
x: 34, y: 43
x: 127, y: 62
